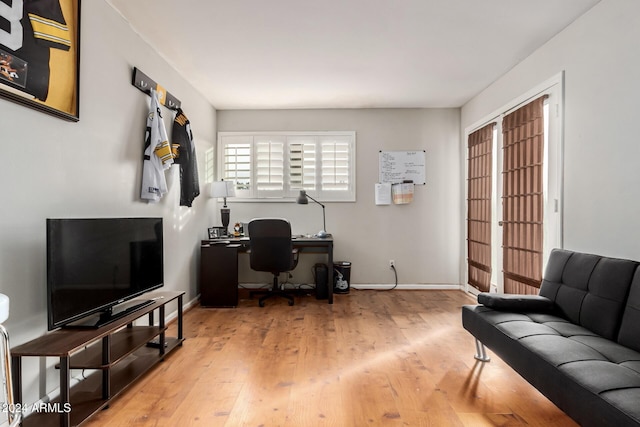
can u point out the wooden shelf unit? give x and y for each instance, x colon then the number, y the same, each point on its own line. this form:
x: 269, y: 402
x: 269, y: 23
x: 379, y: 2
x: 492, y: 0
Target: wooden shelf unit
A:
x: 117, y: 352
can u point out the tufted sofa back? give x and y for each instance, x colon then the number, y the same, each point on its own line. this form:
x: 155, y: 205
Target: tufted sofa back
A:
x: 592, y: 291
x: 629, y: 335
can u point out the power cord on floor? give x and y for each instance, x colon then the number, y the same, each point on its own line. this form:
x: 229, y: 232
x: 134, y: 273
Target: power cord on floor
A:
x: 395, y: 273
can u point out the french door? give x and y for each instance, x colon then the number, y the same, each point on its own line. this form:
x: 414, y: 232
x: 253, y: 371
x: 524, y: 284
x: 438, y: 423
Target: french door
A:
x: 513, y: 195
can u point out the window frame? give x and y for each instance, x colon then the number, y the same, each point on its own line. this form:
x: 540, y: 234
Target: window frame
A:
x: 288, y: 139
x: 552, y: 176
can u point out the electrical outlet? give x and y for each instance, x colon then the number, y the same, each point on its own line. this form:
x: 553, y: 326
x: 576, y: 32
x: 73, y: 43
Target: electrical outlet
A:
x: 392, y: 263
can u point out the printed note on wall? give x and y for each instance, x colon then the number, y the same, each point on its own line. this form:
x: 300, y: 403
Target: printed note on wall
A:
x: 383, y: 193
x: 401, y: 166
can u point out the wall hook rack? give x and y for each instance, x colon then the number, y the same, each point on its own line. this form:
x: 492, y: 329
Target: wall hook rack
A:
x: 145, y: 84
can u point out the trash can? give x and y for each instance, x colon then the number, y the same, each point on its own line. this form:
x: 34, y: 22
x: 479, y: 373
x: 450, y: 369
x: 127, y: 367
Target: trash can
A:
x: 321, y: 275
x: 341, y: 277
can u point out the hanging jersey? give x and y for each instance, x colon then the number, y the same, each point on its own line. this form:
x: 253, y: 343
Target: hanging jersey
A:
x: 30, y: 28
x: 185, y: 150
x: 157, y: 154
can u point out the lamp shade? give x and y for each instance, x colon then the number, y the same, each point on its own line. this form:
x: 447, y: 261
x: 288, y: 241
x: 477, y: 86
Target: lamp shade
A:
x: 302, y: 198
x: 222, y: 189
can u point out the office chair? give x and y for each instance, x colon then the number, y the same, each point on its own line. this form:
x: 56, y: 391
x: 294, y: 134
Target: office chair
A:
x: 271, y: 249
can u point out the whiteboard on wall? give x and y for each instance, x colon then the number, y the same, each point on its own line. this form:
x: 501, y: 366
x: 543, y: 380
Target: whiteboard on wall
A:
x: 399, y: 166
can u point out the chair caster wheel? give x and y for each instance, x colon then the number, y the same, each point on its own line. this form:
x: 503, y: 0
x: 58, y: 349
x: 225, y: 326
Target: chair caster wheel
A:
x: 261, y: 303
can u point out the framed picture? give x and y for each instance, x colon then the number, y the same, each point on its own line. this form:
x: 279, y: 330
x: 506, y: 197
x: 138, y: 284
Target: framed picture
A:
x: 40, y: 55
x: 217, y: 232
x: 213, y: 233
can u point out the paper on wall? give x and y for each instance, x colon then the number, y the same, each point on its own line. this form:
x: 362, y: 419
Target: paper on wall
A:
x: 402, y: 193
x: 383, y: 193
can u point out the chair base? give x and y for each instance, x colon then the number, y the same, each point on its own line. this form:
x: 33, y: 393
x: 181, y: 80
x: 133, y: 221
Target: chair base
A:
x: 274, y: 292
x: 269, y: 294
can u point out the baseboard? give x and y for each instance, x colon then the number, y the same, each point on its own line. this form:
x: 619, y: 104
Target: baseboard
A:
x: 409, y: 286
x: 263, y: 285
x: 373, y: 286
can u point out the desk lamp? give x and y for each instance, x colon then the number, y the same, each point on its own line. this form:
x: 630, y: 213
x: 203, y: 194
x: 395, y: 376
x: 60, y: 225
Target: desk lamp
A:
x: 223, y: 189
x: 303, y: 199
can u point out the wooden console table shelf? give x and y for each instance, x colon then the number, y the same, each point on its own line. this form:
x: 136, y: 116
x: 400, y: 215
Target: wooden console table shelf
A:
x: 118, y: 352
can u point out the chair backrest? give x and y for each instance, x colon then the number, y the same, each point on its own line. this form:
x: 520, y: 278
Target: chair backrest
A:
x: 271, y: 246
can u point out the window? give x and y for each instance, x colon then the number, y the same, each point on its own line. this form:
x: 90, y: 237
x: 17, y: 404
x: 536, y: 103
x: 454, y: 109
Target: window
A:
x: 277, y: 165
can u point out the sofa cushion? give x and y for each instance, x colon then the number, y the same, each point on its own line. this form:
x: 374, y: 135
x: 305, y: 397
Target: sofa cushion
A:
x: 612, y: 382
x: 589, y: 290
x: 630, y: 328
x: 605, y: 301
x: 626, y: 400
x: 558, y: 350
x: 603, y: 375
x: 612, y: 351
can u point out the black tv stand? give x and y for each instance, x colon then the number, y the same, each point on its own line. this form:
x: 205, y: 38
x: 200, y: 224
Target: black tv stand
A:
x: 109, y: 315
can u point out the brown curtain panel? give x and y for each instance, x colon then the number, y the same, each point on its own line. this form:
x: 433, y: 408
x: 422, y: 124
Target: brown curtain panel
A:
x: 523, y: 149
x: 480, y: 167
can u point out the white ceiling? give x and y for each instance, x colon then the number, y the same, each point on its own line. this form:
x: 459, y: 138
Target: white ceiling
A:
x: 243, y: 54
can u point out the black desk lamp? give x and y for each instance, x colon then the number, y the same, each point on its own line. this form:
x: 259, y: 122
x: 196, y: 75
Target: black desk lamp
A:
x: 223, y: 189
x: 303, y: 199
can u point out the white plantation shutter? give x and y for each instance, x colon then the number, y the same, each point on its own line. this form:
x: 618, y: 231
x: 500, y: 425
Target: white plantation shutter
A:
x: 269, y: 166
x: 303, y: 165
x: 277, y: 165
x: 236, y: 159
x: 335, y: 164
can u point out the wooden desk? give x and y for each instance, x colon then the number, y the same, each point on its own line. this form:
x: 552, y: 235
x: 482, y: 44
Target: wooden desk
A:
x: 219, y: 267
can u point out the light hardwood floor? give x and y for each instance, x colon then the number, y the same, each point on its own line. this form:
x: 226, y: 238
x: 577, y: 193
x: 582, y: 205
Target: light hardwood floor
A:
x: 374, y: 358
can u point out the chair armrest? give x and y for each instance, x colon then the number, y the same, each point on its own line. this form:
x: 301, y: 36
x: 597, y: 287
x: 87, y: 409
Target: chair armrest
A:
x: 508, y: 302
x: 294, y: 254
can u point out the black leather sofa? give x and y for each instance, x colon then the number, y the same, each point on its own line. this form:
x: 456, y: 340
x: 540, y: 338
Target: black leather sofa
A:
x: 578, y: 341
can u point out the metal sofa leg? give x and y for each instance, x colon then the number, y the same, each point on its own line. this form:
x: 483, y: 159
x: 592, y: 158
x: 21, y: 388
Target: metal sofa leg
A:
x: 481, y: 352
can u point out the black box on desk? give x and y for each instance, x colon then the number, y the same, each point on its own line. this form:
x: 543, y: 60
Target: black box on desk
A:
x: 321, y: 274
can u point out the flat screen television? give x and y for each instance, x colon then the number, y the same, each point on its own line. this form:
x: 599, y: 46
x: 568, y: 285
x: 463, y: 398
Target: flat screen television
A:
x: 96, y: 265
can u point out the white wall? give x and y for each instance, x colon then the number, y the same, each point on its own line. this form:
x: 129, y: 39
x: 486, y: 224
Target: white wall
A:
x: 423, y: 238
x: 600, y: 56
x: 55, y: 168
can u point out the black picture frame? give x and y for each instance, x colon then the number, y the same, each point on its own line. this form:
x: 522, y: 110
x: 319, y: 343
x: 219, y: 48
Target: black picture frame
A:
x: 217, y: 232
x: 213, y: 233
x: 43, y: 72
